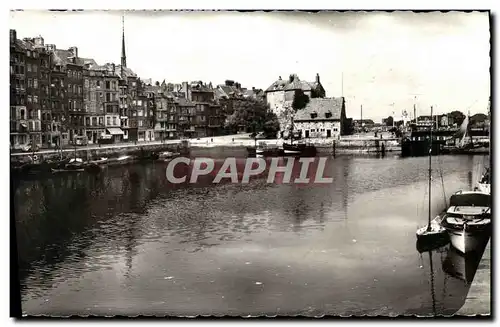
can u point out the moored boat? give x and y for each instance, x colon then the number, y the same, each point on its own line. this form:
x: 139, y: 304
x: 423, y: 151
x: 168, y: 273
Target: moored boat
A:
x: 168, y: 155
x: 101, y: 161
x: 468, y: 220
x: 299, y: 149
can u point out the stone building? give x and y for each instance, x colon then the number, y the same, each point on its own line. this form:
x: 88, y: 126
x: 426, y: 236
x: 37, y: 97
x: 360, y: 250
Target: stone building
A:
x: 321, y: 118
x: 280, y: 96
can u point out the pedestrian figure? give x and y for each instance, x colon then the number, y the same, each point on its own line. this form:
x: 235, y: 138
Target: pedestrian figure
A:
x: 211, y: 140
x: 233, y: 139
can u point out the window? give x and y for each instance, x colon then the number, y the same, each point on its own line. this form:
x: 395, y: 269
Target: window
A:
x: 75, y: 105
x: 87, y: 83
x: 35, y: 83
x: 70, y: 88
x: 29, y: 98
x: 108, y: 97
x: 35, y: 99
x: 30, y: 82
x: 87, y: 121
x: 314, y: 115
x: 335, y: 129
x: 98, y: 83
x: 140, y: 123
x: 328, y: 115
x: 28, y: 53
x: 108, y: 85
x: 69, y: 73
x: 35, y: 68
x: 101, y: 121
x: 114, y: 120
x: 108, y: 121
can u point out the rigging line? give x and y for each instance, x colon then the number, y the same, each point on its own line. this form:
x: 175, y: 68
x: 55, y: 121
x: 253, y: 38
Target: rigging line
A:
x: 442, y: 182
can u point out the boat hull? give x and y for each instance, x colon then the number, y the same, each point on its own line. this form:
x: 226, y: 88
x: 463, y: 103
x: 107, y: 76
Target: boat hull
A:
x: 467, y: 241
x: 299, y: 150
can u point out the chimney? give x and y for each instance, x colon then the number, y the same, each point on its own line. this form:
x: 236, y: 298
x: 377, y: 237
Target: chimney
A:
x: 253, y: 88
x: 13, y: 36
x: 39, y: 42
x: 50, y: 47
x: 73, y: 51
x: 290, y: 79
x: 114, y: 67
x: 185, y: 89
x: 317, y: 78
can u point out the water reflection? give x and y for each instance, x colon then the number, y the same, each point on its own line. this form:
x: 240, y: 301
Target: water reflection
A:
x: 118, y: 235
x: 463, y: 266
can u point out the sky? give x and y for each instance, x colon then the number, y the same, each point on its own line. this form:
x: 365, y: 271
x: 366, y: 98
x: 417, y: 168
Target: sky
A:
x: 386, y: 62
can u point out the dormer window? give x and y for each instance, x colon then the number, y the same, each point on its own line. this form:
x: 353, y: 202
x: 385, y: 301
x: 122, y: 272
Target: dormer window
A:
x: 328, y: 115
x: 314, y: 115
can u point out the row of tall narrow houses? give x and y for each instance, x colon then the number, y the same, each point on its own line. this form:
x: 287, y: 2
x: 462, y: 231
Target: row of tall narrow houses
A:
x: 60, y: 98
x: 321, y: 117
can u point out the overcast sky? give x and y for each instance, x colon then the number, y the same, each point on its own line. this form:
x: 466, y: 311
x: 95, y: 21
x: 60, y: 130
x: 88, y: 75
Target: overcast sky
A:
x: 442, y: 59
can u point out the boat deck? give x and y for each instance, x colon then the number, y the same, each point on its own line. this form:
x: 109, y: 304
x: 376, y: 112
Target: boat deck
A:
x: 478, y: 301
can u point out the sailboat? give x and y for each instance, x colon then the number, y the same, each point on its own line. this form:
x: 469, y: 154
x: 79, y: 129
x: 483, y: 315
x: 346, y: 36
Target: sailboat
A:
x: 434, y: 232
x: 484, y: 184
x: 298, y: 149
x: 468, y: 147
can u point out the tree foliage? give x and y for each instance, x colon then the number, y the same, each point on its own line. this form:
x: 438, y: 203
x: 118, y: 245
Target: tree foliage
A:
x: 349, y: 126
x: 457, y: 117
x: 251, y: 115
x: 389, y: 121
x: 300, y: 100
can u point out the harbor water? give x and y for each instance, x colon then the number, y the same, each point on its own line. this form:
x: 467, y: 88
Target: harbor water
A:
x: 127, y: 242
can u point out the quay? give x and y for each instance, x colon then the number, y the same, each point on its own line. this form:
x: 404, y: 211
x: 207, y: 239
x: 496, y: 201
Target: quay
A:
x: 478, y: 301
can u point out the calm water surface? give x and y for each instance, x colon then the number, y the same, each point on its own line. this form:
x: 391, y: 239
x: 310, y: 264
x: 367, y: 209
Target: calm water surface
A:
x: 127, y: 242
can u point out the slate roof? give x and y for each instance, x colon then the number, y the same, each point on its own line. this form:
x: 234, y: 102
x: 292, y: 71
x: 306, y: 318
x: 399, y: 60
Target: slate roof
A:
x: 321, y: 106
x: 127, y: 72
x: 296, y: 84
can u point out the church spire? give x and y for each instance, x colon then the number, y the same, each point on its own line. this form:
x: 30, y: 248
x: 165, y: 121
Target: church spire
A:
x: 124, y: 57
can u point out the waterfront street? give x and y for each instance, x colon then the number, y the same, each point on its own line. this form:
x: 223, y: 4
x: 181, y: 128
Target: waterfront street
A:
x: 134, y: 244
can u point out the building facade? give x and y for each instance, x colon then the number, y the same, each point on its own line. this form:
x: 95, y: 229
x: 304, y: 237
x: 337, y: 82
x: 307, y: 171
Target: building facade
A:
x: 321, y: 118
x: 18, y: 114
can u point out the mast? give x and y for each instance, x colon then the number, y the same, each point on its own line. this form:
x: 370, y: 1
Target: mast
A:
x: 361, y: 117
x: 430, y: 173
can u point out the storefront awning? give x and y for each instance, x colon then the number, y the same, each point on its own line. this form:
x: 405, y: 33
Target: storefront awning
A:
x: 115, y: 131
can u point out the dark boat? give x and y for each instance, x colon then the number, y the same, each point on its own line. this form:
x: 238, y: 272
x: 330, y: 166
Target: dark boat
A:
x: 300, y: 149
x: 419, y: 141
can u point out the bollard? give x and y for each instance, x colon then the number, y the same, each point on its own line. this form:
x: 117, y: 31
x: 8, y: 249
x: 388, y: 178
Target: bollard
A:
x: 334, y: 142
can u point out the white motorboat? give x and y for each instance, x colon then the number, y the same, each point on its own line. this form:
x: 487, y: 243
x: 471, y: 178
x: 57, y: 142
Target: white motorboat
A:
x: 468, y: 220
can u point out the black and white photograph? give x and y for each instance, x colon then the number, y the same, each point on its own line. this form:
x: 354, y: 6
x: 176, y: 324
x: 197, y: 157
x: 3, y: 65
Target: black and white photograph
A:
x: 225, y: 163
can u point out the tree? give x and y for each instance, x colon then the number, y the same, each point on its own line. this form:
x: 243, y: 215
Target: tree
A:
x: 349, y: 126
x: 271, y: 124
x: 389, y: 121
x: 300, y: 100
x: 457, y: 117
x: 249, y: 114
